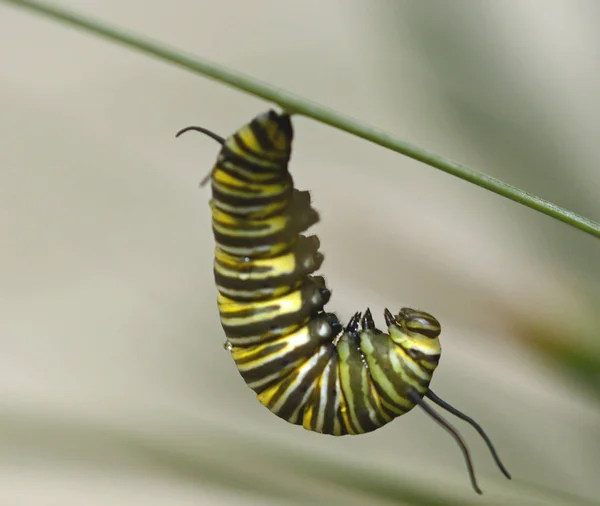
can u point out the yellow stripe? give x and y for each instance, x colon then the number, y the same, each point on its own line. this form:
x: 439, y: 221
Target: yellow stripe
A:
x: 371, y: 399
x: 391, y: 407
x: 257, y: 294
x: 257, y: 356
x: 250, y: 211
x: 262, y: 250
x: 381, y: 378
x: 256, y: 228
x: 255, y: 268
x: 302, y: 371
x: 251, y: 142
x: 399, y: 368
x: 409, y: 363
x: 238, y: 188
x: 281, y: 141
x: 346, y: 373
x: 258, y: 311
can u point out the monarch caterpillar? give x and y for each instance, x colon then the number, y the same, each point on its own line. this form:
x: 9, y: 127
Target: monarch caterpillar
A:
x: 302, y: 363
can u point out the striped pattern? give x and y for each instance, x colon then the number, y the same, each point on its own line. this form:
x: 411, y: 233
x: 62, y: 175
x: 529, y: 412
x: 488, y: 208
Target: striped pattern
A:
x: 302, y: 363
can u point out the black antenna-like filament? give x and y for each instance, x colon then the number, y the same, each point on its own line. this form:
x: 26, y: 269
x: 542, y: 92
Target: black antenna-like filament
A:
x: 212, y: 135
x: 451, y: 409
x: 416, y: 398
x: 205, y: 131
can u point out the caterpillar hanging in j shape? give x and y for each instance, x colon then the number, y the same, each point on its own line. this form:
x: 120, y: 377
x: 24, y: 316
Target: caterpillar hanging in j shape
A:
x: 303, y: 363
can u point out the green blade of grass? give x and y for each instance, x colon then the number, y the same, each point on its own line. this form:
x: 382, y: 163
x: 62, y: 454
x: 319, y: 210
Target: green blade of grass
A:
x: 298, y: 105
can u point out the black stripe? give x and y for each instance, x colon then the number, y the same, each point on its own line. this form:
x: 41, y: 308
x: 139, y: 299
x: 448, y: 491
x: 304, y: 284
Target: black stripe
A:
x: 268, y: 326
x: 243, y: 269
x: 305, y: 248
x: 356, y: 365
x: 419, y: 356
x: 282, y: 236
x: 251, y: 311
x: 261, y: 135
x: 259, y: 250
x: 313, y: 300
x: 280, y: 363
x: 281, y: 389
x: 227, y: 155
x: 235, y: 283
x: 331, y: 413
x: 298, y: 223
x: 251, y: 200
x: 241, y: 178
x: 391, y: 402
x: 274, y: 347
x: 298, y: 393
x: 302, y: 216
x: 245, y: 226
x: 258, y: 295
x: 349, y: 427
x: 391, y: 415
x: 413, y: 375
x: 283, y: 124
x: 268, y: 155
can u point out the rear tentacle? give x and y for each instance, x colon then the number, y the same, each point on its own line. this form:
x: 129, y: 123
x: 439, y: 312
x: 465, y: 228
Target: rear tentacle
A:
x: 451, y: 409
x: 416, y: 398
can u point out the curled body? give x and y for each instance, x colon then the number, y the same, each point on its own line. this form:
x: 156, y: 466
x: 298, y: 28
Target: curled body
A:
x: 336, y: 380
x: 303, y: 364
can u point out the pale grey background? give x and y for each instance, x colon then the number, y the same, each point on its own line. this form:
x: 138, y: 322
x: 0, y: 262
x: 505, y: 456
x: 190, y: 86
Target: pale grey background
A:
x: 114, y: 386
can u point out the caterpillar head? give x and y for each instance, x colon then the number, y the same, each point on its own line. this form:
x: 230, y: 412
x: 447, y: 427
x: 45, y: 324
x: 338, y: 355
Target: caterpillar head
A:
x: 416, y: 332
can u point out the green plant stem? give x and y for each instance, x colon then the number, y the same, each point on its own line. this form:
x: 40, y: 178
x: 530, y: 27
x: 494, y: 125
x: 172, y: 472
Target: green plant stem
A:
x: 307, y: 108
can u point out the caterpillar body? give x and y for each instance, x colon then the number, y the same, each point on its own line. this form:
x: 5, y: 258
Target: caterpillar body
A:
x: 303, y: 364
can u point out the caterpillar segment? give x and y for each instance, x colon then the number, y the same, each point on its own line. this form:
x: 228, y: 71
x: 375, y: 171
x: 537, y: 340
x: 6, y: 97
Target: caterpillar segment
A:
x: 304, y: 365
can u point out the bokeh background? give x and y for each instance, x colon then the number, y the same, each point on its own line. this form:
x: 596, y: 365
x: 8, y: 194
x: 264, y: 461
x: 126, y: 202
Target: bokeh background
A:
x: 114, y: 385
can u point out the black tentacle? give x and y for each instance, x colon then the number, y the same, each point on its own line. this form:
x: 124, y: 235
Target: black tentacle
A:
x: 416, y: 398
x: 451, y: 409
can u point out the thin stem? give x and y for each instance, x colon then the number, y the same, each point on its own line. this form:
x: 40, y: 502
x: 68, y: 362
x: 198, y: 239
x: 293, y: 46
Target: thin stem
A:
x: 298, y: 105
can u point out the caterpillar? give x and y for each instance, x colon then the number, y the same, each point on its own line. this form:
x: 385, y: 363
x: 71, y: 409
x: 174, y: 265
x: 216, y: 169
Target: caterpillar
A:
x: 303, y: 364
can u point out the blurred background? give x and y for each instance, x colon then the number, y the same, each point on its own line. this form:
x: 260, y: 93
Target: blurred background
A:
x: 114, y: 384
